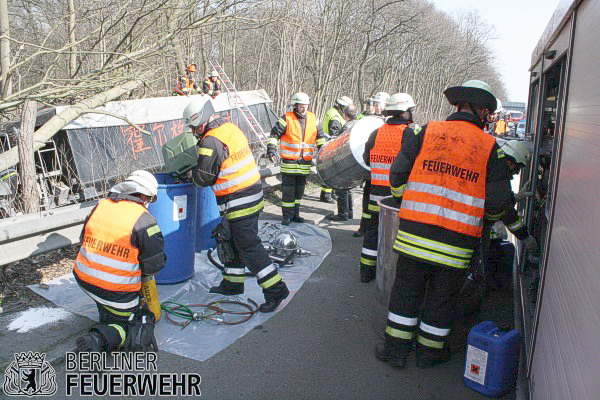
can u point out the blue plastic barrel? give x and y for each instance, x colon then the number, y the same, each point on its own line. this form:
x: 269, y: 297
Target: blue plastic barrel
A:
x: 175, y: 212
x: 207, y: 218
x: 492, y: 361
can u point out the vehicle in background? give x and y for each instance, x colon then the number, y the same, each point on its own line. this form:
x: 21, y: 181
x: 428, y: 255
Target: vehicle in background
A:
x: 520, y: 130
x: 514, y: 116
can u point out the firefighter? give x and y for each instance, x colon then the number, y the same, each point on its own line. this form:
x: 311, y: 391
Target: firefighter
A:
x: 517, y: 156
x: 333, y: 122
x: 300, y: 135
x: 225, y: 162
x: 120, y: 243
x: 186, y: 83
x: 368, y: 109
x: 344, y: 196
x: 379, y: 102
x: 381, y: 150
x: 212, y: 85
x: 449, y: 178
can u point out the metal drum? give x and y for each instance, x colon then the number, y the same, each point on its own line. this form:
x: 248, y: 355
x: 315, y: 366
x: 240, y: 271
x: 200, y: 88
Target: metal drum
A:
x: 386, y: 260
x: 340, y: 163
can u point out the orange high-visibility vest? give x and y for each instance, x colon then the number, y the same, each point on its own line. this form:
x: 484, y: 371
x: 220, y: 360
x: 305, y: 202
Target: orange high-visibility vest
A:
x: 239, y: 170
x: 446, y: 186
x: 107, y: 259
x: 295, y: 142
x: 387, y: 146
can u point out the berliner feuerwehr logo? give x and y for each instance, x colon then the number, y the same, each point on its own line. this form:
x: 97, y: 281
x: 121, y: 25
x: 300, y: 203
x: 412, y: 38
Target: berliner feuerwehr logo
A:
x: 30, y: 375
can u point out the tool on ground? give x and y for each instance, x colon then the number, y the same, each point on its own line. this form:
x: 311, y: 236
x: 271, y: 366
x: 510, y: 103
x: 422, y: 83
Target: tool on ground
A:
x: 284, y: 248
x: 236, y: 101
x: 213, y: 311
x: 150, y: 296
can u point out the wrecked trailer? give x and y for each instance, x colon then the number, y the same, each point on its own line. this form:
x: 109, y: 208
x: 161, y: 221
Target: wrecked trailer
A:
x: 92, y: 152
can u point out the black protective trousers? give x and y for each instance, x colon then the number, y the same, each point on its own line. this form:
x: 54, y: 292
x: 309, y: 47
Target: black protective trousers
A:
x: 344, y: 202
x: 368, y: 253
x: 292, y: 190
x: 366, y: 215
x: 250, y: 253
x: 112, y: 326
x: 414, y: 280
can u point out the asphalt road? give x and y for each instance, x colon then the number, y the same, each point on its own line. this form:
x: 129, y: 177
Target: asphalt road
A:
x: 321, y: 345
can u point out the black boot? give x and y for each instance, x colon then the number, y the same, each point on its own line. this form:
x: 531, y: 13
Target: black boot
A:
x: 90, y: 342
x: 297, y: 218
x: 226, y: 290
x: 427, y: 358
x: 274, y: 299
x: 337, y: 217
x: 286, y: 220
x: 326, y: 198
x: 395, y: 355
x: 367, y: 274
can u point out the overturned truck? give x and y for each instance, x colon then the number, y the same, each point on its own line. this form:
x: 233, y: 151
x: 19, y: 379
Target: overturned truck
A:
x: 84, y: 159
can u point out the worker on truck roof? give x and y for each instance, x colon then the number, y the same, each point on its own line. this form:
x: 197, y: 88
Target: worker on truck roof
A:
x: 186, y: 83
x: 212, y: 84
x: 449, y: 178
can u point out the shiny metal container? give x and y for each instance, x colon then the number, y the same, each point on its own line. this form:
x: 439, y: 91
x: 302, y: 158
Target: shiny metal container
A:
x: 339, y: 162
x: 386, y: 261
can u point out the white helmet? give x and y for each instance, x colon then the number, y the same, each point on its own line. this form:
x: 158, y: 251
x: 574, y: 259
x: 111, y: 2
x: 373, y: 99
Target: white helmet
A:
x: 214, y: 73
x: 300, y: 98
x: 198, y: 112
x: 400, y: 102
x: 381, y: 97
x: 144, y: 182
x: 344, y: 101
x: 517, y: 150
x: 499, y: 108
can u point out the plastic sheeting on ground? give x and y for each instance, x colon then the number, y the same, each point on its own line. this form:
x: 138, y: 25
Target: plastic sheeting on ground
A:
x: 201, y: 340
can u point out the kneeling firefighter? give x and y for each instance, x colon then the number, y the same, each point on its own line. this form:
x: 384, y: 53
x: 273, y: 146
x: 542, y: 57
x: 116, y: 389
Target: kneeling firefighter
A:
x: 381, y: 150
x: 120, y: 245
x: 449, y: 178
x: 225, y: 162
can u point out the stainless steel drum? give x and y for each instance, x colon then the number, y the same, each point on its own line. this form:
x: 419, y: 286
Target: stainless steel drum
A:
x: 339, y: 163
x: 386, y: 261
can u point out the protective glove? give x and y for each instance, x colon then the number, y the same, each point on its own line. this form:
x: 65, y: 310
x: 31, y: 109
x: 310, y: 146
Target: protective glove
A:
x: 272, y: 152
x: 524, y: 192
x: 530, y: 244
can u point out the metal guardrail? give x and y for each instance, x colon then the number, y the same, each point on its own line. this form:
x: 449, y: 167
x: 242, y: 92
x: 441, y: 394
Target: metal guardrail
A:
x: 29, y: 235
x: 32, y: 234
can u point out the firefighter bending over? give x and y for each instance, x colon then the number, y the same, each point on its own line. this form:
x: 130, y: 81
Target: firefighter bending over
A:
x: 225, y: 163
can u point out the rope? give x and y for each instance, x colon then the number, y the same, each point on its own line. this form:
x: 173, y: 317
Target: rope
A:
x: 209, y: 311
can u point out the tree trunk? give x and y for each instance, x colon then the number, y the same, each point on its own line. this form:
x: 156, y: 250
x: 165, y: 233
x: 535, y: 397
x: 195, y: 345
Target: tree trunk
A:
x: 29, y: 190
x: 5, y: 84
x: 73, y: 49
x: 11, y: 157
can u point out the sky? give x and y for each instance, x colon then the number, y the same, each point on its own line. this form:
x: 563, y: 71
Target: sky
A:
x: 519, y: 25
